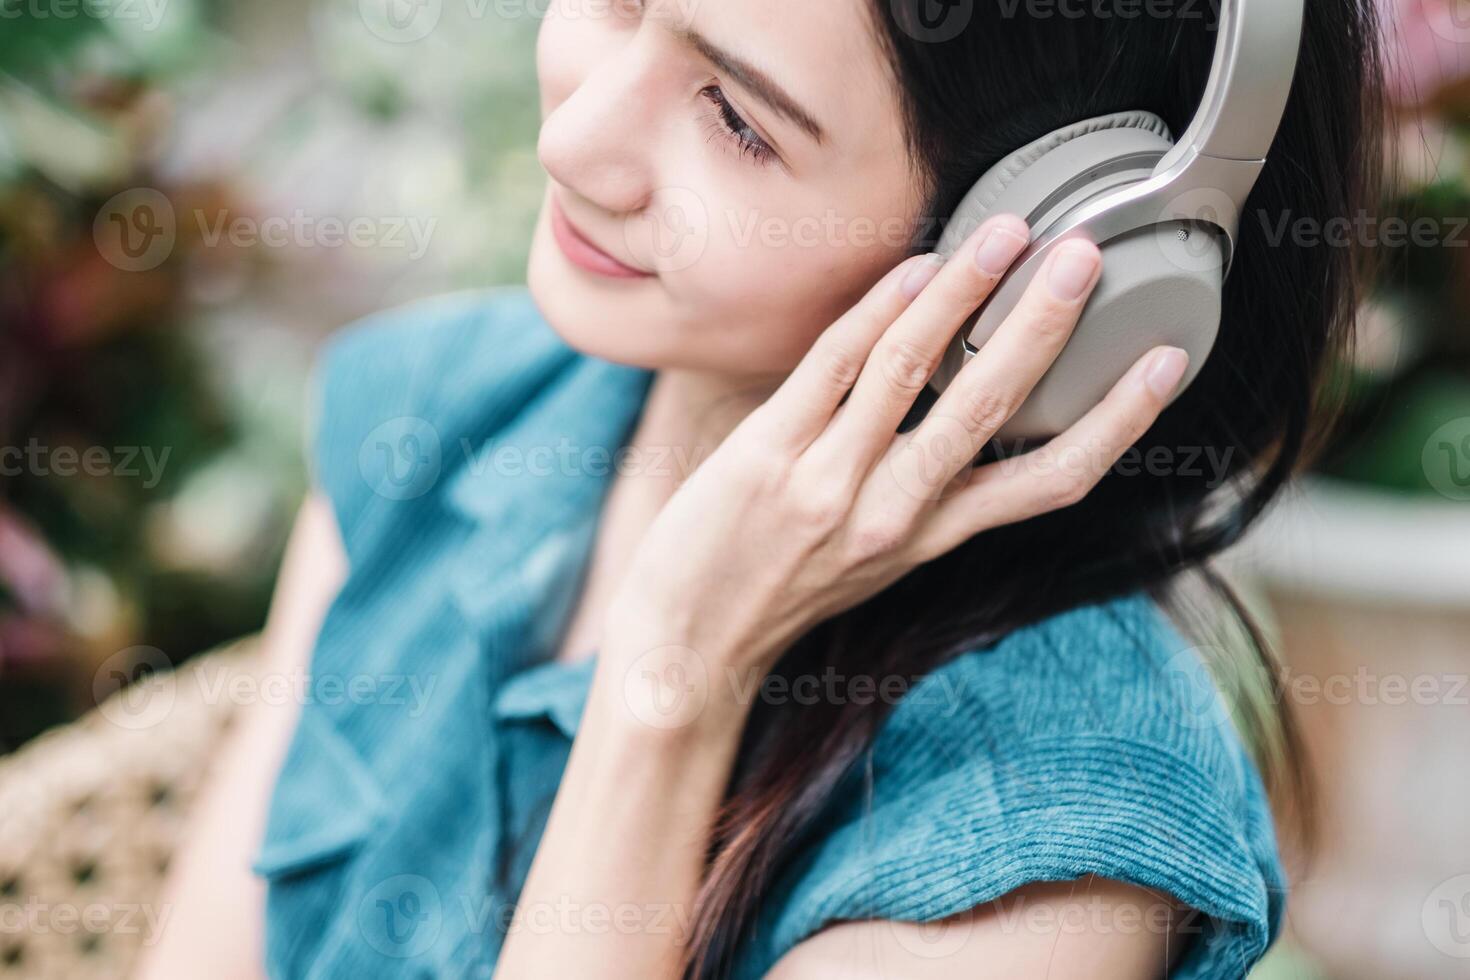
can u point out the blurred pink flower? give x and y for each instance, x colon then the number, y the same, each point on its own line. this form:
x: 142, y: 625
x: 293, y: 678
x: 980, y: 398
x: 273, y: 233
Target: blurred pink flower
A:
x: 34, y: 579
x: 1428, y: 47
x: 27, y: 641
x: 28, y: 569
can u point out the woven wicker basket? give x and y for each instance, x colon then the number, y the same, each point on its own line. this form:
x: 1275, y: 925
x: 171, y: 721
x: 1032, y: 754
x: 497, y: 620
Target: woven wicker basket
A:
x: 89, y: 816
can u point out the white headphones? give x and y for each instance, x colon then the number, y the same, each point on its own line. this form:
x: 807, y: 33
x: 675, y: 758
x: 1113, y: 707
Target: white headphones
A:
x: 1165, y: 215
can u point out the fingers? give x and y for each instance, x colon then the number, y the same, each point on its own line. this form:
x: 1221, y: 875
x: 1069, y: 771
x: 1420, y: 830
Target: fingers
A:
x: 992, y: 385
x: 905, y: 356
x: 804, y: 403
x: 1063, y: 471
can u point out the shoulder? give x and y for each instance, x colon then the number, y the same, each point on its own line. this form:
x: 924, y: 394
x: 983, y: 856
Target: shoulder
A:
x: 393, y: 393
x: 1112, y: 671
x: 439, y: 343
x: 432, y: 357
x: 1093, y: 744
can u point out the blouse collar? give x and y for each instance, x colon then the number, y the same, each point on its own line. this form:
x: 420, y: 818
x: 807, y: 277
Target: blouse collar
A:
x: 530, y: 494
x: 555, y: 691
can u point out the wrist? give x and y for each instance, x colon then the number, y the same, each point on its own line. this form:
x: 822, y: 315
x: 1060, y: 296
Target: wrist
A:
x: 669, y: 692
x: 707, y: 642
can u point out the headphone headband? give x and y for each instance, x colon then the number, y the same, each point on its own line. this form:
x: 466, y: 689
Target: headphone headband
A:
x: 1256, y: 45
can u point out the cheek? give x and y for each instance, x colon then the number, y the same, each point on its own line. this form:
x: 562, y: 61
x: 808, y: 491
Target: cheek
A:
x: 788, y: 277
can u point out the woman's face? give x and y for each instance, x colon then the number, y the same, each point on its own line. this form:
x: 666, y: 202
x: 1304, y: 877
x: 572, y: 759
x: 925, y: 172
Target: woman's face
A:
x: 741, y: 161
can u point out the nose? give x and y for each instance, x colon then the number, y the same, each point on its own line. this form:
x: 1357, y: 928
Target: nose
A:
x: 598, y: 142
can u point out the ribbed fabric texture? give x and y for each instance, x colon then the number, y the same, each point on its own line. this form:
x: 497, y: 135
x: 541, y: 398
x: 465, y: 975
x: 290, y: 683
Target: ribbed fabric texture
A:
x: 465, y: 450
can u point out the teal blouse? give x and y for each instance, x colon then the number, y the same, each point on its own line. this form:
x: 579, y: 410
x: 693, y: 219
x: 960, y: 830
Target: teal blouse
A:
x: 465, y: 449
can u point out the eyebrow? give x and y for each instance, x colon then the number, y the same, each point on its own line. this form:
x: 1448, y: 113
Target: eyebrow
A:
x: 758, y: 82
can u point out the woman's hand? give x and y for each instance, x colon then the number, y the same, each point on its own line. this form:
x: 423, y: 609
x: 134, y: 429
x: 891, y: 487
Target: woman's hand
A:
x: 812, y: 504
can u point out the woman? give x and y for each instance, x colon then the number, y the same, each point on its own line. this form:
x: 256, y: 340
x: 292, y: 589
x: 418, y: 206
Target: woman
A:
x: 658, y: 626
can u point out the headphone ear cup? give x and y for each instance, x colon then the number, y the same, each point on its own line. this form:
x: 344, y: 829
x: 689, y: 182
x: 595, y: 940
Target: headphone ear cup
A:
x: 1016, y: 183
x: 1160, y: 285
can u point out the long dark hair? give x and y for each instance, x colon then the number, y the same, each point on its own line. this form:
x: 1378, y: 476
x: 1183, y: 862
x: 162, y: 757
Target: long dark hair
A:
x: 1006, y: 79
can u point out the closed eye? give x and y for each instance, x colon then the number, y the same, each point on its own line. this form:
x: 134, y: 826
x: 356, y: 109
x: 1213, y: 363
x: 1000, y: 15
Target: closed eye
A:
x: 728, y: 124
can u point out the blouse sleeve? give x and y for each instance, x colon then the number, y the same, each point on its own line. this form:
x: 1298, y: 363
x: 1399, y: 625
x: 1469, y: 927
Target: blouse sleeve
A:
x: 1076, y: 748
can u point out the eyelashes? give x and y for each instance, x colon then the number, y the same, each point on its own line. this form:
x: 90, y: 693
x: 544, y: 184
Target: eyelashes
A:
x: 727, y: 124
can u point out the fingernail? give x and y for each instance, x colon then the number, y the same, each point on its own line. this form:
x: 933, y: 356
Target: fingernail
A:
x: 1071, y: 271
x: 1165, y: 370
x: 999, y: 250
x: 920, y: 275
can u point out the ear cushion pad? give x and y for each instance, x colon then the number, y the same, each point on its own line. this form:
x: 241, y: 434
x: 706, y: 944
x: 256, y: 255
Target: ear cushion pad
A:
x: 1160, y: 284
x: 981, y: 201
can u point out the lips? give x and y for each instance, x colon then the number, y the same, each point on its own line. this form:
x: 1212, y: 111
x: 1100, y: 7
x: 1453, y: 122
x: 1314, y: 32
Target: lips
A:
x: 581, y: 252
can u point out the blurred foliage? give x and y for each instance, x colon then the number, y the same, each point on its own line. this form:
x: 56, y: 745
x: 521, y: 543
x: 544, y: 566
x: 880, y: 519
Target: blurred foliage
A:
x: 1411, y: 370
x: 107, y: 406
x: 254, y: 110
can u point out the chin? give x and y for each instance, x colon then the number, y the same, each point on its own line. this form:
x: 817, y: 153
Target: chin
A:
x: 620, y: 321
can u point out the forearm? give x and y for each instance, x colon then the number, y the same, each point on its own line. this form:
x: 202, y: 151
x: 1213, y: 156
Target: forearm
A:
x: 213, y: 903
x: 611, y: 889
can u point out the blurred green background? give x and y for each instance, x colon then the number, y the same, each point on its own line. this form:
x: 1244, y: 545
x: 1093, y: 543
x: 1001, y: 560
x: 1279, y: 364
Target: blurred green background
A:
x: 271, y: 130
